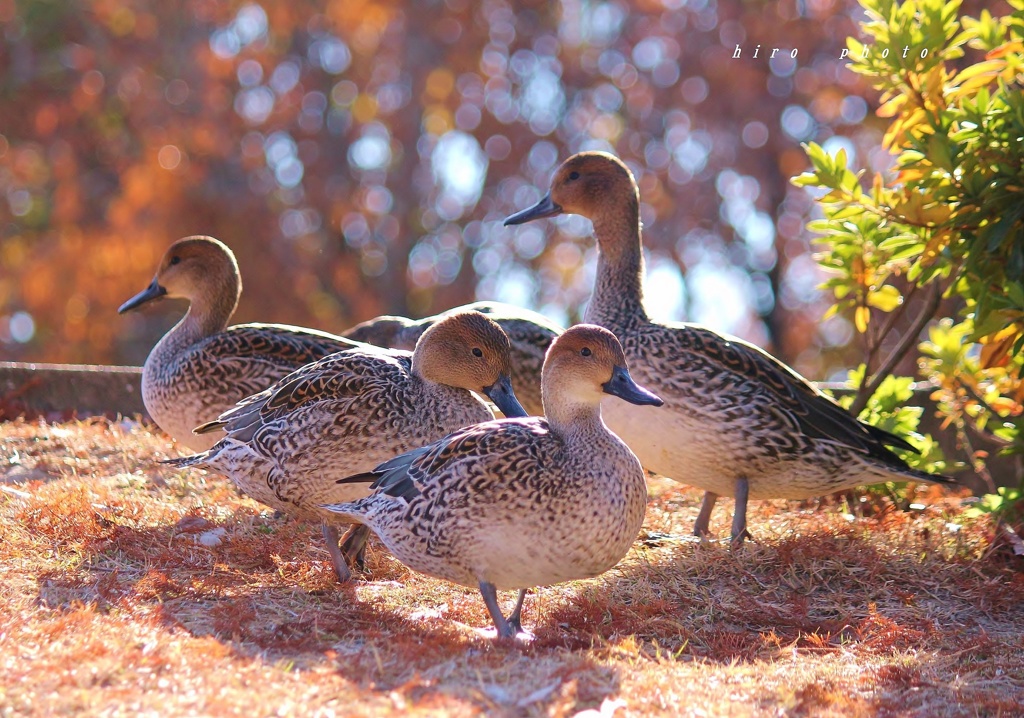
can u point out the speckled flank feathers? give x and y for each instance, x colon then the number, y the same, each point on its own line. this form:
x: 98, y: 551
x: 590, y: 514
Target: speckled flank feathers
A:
x: 201, y: 367
x: 529, y: 332
x: 737, y: 422
x: 516, y: 503
x: 343, y: 414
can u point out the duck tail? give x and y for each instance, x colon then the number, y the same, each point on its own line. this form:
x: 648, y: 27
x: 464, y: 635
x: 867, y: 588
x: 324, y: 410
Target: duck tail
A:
x: 347, y: 510
x: 367, y: 477
x: 210, y: 426
x: 890, y: 439
x: 906, y: 473
x: 896, y: 466
x: 181, y: 462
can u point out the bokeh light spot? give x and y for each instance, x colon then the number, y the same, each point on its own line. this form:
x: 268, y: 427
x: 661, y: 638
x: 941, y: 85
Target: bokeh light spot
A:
x: 372, y: 151
x: 694, y: 90
x: 169, y: 157
x: 798, y: 123
x: 22, y: 327
x: 755, y: 134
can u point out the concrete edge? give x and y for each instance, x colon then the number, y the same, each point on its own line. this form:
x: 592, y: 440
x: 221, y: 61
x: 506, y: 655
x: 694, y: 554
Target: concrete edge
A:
x: 66, y: 390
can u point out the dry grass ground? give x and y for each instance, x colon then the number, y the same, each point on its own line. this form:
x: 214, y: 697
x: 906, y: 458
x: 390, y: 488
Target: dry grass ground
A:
x: 130, y: 589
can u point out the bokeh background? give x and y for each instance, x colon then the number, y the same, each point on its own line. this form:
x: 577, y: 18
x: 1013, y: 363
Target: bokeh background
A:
x: 359, y: 157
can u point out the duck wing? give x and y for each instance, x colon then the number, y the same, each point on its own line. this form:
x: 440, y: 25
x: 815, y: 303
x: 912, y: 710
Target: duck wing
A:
x: 385, y: 331
x: 500, y: 443
x: 804, y: 407
x: 282, y: 343
x: 245, y: 359
x: 336, y: 380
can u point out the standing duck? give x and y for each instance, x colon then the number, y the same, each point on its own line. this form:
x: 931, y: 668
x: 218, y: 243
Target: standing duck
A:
x: 738, y: 422
x: 529, y: 332
x: 201, y: 367
x: 288, y: 445
x: 516, y: 503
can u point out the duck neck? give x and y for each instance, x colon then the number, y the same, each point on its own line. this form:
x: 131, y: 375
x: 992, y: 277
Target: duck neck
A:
x: 618, y: 299
x: 572, y: 420
x: 421, y: 368
x: 207, y: 314
x: 443, y: 406
x: 425, y: 380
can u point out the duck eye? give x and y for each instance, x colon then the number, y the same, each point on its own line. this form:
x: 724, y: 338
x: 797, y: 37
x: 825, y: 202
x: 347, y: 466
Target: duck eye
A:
x: 477, y: 352
x: 585, y: 351
x: 574, y: 175
x: 175, y: 260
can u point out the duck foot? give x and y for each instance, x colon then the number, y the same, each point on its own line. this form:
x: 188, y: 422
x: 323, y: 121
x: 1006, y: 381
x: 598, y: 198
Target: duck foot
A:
x: 739, y: 531
x: 654, y: 539
x: 341, y: 568
x: 515, y: 619
x: 701, y: 526
x: 739, y: 515
x: 504, y: 628
x: 736, y: 542
x: 353, y: 546
x: 522, y: 638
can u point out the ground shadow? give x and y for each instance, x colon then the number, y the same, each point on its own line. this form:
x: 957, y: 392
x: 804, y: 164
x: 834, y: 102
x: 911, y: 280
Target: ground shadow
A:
x: 267, y: 591
x: 819, y: 591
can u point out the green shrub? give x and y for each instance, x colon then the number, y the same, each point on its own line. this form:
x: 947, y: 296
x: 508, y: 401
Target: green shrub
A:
x: 947, y: 222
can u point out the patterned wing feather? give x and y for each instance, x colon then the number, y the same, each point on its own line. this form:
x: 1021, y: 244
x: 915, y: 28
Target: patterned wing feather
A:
x: 805, y: 408
x: 280, y: 343
x: 249, y: 357
x: 410, y: 474
x: 339, y: 377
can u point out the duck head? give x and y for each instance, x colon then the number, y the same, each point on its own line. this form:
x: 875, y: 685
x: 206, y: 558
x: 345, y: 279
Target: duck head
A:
x: 469, y: 351
x: 193, y: 268
x: 589, y: 184
x: 585, y: 363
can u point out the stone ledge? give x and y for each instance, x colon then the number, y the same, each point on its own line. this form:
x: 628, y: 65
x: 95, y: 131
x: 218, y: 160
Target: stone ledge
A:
x: 69, y: 389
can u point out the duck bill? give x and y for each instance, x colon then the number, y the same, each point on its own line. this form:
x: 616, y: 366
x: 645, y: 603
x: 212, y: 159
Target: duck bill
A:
x: 622, y: 385
x: 500, y: 392
x: 153, y: 291
x: 544, y: 208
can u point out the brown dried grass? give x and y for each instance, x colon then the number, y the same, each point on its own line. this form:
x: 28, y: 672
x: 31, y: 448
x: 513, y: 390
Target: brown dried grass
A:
x: 110, y: 605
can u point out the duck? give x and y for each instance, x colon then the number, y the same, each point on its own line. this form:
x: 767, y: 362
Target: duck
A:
x: 202, y: 367
x: 516, y: 503
x: 529, y: 332
x: 738, y: 422
x: 287, y: 445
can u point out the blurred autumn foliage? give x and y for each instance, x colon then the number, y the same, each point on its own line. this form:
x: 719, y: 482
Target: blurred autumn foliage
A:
x: 358, y: 156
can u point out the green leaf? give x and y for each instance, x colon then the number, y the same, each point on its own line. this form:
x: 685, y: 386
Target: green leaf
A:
x: 807, y: 179
x: 886, y: 298
x: 900, y: 241
x: 1015, y: 290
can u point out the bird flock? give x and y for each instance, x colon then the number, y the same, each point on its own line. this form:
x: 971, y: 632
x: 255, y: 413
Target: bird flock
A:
x: 385, y: 429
